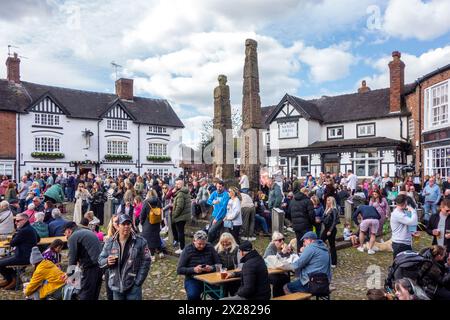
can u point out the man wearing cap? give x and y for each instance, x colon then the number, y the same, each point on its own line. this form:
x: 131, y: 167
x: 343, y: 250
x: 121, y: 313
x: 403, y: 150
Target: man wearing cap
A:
x: 315, y: 258
x: 47, y: 279
x: 254, y: 276
x: 23, y: 240
x: 84, y: 250
x: 219, y: 199
x: 128, y: 259
x: 196, y: 258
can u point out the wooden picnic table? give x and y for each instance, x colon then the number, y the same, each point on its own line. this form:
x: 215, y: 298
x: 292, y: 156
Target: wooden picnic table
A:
x: 214, y: 284
x: 44, y: 241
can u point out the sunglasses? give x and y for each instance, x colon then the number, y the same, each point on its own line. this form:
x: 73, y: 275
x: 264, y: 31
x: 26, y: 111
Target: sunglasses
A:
x: 279, y: 240
x: 18, y: 220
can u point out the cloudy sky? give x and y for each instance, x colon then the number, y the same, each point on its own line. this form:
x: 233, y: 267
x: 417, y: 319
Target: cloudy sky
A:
x: 175, y: 49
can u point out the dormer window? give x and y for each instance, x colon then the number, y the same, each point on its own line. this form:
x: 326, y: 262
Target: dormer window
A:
x: 46, y: 119
x: 116, y: 124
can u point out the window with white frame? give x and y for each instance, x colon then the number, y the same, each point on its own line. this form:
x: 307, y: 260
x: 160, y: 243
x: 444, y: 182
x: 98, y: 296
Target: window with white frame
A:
x: 46, y: 144
x: 6, y: 169
x: 157, y: 129
x: 52, y: 170
x: 436, y: 105
x: 114, y: 172
x: 117, y: 147
x: 46, y: 119
x: 304, y: 165
x: 365, y: 130
x: 157, y: 149
x: 336, y: 132
x: 437, y: 160
x: 366, y: 164
x: 117, y: 124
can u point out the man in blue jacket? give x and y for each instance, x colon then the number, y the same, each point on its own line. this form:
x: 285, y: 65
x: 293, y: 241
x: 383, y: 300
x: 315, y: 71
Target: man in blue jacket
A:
x: 314, y: 258
x: 23, y: 240
x: 219, y: 199
x: 432, y: 195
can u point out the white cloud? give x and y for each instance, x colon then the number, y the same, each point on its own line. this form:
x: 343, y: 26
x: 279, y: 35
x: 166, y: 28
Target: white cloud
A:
x: 415, y: 66
x: 328, y: 64
x: 424, y: 20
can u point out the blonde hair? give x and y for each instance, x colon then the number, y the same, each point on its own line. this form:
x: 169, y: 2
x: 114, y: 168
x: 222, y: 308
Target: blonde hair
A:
x: 111, y: 229
x: 226, y: 236
x: 315, y: 200
x: 333, y: 203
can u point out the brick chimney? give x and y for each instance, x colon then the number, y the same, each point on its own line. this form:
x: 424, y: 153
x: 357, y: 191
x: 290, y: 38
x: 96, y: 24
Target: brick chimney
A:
x: 13, y: 68
x: 124, y: 88
x: 363, y: 87
x: 397, y: 83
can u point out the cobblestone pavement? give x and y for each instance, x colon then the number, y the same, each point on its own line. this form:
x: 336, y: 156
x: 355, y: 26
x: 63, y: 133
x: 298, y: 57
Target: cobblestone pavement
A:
x: 355, y: 271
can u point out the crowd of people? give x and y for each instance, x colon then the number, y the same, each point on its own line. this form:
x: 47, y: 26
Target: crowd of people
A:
x: 145, y: 208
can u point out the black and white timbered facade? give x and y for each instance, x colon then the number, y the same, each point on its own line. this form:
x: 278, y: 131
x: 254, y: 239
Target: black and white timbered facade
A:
x: 60, y: 129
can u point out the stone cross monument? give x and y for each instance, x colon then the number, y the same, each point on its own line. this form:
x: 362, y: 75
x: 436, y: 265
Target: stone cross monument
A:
x: 223, y: 135
x: 252, y: 155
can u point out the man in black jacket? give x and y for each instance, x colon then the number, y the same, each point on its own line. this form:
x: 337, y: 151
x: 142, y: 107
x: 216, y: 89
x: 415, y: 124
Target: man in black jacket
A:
x: 302, y: 214
x: 84, y: 250
x: 197, y: 258
x: 128, y: 258
x: 439, y: 225
x: 254, y: 276
x: 23, y: 240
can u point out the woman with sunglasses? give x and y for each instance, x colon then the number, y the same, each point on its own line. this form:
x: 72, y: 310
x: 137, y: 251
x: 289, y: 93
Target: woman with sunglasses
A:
x: 278, y: 247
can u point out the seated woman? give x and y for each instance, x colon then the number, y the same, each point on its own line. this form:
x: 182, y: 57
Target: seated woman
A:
x: 278, y: 247
x: 47, y: 281
x: 91, y: 217
x: 30, y: 212
x: 40, y: 226
x: 227, y: 249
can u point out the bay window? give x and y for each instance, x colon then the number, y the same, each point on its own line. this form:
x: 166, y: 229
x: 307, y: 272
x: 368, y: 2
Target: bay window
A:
x: 117, y: 147
x: 46, y: 144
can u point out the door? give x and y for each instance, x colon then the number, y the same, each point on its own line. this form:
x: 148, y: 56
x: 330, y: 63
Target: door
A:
x: 332, y: 167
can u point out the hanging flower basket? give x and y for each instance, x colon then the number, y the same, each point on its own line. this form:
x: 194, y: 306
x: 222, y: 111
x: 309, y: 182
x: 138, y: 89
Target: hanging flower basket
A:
x: 158, y: 158
x: 47, y: 155
x: 118, y: 157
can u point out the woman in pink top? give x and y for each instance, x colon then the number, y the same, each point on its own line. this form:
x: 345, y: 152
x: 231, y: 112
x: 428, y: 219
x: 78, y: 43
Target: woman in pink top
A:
x: 30, y: 213
x: 137, y: 209
x: 380, y: 203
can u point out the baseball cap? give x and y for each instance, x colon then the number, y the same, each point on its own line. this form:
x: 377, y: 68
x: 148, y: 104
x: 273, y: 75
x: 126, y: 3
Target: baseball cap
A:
x: 309, y: 235
x: 124, y: 218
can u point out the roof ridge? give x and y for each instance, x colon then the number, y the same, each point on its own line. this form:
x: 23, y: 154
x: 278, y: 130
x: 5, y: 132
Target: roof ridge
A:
x: 88, y: 91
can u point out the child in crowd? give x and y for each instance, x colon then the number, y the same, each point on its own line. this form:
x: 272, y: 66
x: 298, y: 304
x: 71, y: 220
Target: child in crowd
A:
x: 347, y: 231
x: 318, y: 211
x: 53, y: 253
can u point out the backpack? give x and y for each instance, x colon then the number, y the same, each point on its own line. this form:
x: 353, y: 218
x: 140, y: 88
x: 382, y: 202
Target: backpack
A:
x: 408, y: 264
x: 155, y: 215
x: 319, y: 284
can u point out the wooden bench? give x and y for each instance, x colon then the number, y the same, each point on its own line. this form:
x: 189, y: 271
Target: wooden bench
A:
x: 295, y: 296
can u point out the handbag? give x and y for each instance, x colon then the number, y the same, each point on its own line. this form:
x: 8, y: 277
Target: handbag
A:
x: 228, y: 224
x: 318, y: 284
